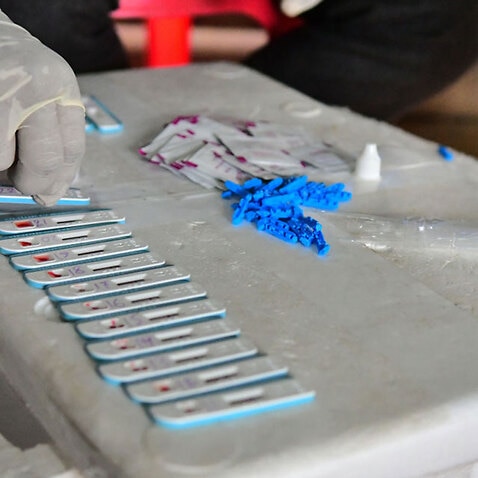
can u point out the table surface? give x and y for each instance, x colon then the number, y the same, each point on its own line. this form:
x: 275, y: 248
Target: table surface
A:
x: 387, y: 341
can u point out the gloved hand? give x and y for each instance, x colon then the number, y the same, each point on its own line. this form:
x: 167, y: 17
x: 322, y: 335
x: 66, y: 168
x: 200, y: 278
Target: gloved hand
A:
x: 42, y: 120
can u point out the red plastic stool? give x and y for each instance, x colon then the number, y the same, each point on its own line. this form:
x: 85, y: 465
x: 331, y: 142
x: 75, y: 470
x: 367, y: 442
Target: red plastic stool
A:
x: 169, y: 22
x: 168, y: 41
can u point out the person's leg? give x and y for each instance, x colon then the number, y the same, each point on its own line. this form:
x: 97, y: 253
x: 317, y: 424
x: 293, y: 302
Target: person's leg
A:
x: 378, y: 57
x: 81, y: 31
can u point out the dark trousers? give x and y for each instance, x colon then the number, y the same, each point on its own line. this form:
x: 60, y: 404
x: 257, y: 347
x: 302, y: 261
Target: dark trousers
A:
x: 81, y: 31
x: 378, y: 57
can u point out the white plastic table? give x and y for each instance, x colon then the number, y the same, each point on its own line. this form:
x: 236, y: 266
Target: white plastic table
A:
x: 387, y: 341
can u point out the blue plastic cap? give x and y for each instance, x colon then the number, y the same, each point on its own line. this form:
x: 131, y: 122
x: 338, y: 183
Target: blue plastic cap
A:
x: 445, y: 153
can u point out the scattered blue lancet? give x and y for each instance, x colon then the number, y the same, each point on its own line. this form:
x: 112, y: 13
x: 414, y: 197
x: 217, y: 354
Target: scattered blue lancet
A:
x: 275, y: 207
x: 445, y: 153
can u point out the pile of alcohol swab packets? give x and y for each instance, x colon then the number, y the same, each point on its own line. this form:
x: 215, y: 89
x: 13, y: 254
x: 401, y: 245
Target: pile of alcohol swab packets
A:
x: 210, y: 151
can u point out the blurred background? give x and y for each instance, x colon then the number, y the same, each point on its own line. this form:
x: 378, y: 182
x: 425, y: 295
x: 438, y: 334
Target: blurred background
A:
x: 449, y: 118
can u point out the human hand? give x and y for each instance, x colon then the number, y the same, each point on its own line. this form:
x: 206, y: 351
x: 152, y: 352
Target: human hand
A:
x: 42, y: 125
x: 293, y: 8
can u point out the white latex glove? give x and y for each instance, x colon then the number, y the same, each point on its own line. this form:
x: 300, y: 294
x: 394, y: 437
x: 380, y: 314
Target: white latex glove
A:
x: 42, y: 120
x: 292, y: 8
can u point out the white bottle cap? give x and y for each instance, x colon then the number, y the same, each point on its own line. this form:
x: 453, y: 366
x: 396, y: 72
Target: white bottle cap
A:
x: 368, y: 164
